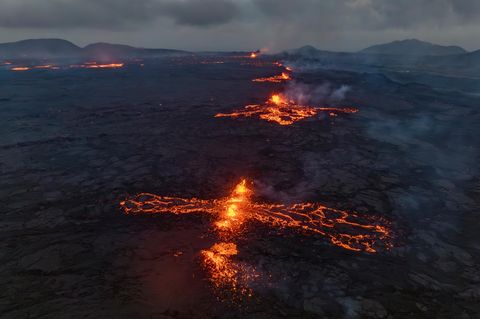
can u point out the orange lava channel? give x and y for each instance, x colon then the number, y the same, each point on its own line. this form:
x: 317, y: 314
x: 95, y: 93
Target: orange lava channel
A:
x: 280, y: 110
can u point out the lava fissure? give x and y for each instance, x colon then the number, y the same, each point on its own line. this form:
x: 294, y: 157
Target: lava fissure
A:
x: 346, y: 229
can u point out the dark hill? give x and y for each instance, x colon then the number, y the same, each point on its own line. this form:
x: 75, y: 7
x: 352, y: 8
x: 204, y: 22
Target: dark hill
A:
x: 39, y: 48
x: 413, y: 47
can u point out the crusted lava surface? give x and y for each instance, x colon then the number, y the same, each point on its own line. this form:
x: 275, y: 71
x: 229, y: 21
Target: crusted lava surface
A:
x: 76, y: 143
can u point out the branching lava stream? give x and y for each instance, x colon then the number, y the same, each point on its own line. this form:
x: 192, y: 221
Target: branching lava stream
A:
x: 345, y: 229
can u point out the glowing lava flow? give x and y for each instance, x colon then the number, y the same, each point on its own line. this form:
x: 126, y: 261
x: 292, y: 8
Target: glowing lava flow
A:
x: 95, y: 65
x: 226, y: 273
x: 282, y: 111
x: 37, y: 67
x: 231, y: 214
x: 20, y: 68
x: 46, y: 67
x: 345, y: 229
x: 275, y: 79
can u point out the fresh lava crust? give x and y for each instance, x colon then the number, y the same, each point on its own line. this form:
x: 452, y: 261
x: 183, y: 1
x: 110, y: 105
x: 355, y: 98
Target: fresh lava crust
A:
x: 280, y: 110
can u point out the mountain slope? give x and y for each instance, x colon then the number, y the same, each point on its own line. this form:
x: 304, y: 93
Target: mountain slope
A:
x: 106, y: 51
x: 57, y: 48
x: 39, y: 48
x: 413, y: 47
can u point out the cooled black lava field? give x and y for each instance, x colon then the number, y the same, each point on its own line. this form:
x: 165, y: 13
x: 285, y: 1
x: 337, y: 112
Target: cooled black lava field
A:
x: 76, y: 143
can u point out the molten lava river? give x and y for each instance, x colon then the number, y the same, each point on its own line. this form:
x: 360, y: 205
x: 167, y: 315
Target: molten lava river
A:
x: 280, y: 110
x: 345, y: 229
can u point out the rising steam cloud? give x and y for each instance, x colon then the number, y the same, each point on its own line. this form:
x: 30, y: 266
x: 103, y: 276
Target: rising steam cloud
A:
x: 307, y: 94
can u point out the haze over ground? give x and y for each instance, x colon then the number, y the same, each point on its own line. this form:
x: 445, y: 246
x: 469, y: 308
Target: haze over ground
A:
x: 346, y: 25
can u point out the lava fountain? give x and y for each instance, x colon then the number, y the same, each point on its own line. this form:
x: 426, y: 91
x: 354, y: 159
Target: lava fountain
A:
x: 280, y: 110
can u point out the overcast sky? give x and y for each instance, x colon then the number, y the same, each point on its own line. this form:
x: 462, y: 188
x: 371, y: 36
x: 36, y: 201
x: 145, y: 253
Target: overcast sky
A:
x: 345, y: 25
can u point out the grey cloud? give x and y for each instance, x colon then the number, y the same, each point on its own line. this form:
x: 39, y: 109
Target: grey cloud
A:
x: 68, y: 13
x: 112, y: 14
x: 368, y: 14
x: 323, y: 15
x: 202, y: 12
x: 242, y: 24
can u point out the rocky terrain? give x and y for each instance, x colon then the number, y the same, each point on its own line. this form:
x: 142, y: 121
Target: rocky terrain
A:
x: 74, y: 143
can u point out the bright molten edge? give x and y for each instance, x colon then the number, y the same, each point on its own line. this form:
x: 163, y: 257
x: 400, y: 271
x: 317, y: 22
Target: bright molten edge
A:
x: 345, y: 229
x: 283, y: 111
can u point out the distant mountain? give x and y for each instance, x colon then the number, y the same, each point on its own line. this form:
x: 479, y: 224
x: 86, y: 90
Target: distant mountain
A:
x: 41, y: 48
x: 460, y: 64
x: 57, y: 48
x: 99, y: 49
x: 413, y: 47
x: 306, y: 51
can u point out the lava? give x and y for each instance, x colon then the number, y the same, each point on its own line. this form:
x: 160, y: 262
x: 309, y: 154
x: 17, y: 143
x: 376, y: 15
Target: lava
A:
x: 95, y: 65
x: 283, y: 111
x: 20, y: 68
x: 217, y: 261
x: 224, y: 272
x: 275, y: 79
x: 35, y: 67
x: 345, y: 229
x: 212, y: 62
x: 46, y: 67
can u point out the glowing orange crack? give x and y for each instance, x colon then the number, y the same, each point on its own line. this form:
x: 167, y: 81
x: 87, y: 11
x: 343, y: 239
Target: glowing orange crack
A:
x: 282, y: 111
